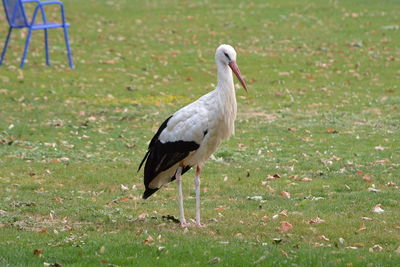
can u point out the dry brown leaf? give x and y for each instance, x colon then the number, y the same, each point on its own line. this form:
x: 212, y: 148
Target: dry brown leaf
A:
x: 274, y: 176
x: 142, y: 216
x: 390, y: 184
x: 322, y: 237
x: 331, y: 130
x: 376, y: 248
x: 316, y: 221
x: 283, y: 213
x: 37, y: 252
x: 285, y: 226
x: 362, y: 228
x: 285, y: 194
x: 367, y: 178
x: 366, y: 218
x: 220, y: 208
x: 148, y: 240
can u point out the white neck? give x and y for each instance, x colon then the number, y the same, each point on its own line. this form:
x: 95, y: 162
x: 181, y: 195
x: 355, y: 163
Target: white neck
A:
x: 225, y: 78
x: 227, y: 99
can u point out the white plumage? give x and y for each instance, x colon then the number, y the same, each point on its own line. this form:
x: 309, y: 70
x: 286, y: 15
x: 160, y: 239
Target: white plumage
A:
x: 190, y: 136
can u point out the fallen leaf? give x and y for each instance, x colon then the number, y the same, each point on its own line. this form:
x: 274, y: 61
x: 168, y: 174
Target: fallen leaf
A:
x: 142, y: 216
x: 214, y: 260
x: 390, y: 184
x: 148, y: 240
x: 256, y: 198
x: 359, y: 245
x: 316, y: 221
x: 57, y: 199
x: 373, y: 189
x: 367, y: 178
x: 324, y: 238
x: 283, y: 213
x: 331, y: 130
x: 376, y: 248
x: 285, y: 226
x: 285, y: 194
x: 270, y: 189
x: 124, y: 199
x: 378, y: 209
x: 46, y: 264
x: 37, y: 252
x: 366, y: 218
x: 274, y: 176
x: 362, y: 228
x: 284, y: 253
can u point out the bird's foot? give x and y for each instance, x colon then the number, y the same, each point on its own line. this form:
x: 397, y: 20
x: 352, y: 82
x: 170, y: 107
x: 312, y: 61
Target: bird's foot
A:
x: 184, y: 224
x: 199, y: 225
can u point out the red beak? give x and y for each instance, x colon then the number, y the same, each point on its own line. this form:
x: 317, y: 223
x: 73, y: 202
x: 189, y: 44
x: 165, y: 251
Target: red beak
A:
x: 234, y: 67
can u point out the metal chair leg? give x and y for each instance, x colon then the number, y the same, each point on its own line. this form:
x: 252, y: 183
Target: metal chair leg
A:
x: 3, y: 53
x: 71, y: 64
x: 46, y: 45
x: 28, y: 39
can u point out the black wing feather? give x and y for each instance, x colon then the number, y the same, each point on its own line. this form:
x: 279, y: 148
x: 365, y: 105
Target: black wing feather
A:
x: 154, y: 139
x: 149, y: 191
x: 162, y: 156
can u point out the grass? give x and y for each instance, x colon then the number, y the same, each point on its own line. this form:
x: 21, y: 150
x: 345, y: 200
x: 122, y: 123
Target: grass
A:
x: 323, y: 105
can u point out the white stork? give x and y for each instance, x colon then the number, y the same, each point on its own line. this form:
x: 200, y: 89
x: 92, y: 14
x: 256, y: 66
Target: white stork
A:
x: 192, y: 134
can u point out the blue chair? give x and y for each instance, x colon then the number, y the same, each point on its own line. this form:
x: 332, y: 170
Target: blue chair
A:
x: 17, y: 18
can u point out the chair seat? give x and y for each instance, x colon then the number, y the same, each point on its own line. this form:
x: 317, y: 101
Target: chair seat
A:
x: 48, y: 25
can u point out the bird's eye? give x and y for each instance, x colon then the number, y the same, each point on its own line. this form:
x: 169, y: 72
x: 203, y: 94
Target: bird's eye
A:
x: 227, y: 56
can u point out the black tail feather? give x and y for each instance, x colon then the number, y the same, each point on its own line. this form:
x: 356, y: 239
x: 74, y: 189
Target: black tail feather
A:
x: 149, y: 192
x: 145, y: 157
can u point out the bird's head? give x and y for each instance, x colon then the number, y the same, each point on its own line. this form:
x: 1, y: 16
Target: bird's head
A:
x: 226, y: 56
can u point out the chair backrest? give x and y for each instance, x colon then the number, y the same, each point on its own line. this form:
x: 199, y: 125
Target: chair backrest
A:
x: 15, y: 13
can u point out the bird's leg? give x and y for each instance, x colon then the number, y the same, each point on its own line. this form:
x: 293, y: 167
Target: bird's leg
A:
x: 197, y: 187
x: 178, y: 177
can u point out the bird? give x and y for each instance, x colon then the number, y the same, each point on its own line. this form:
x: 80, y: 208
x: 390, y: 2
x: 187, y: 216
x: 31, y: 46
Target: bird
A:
x: 193, y: 133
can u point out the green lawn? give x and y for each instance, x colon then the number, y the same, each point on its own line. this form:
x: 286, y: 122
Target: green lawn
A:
x: 320, y: 124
